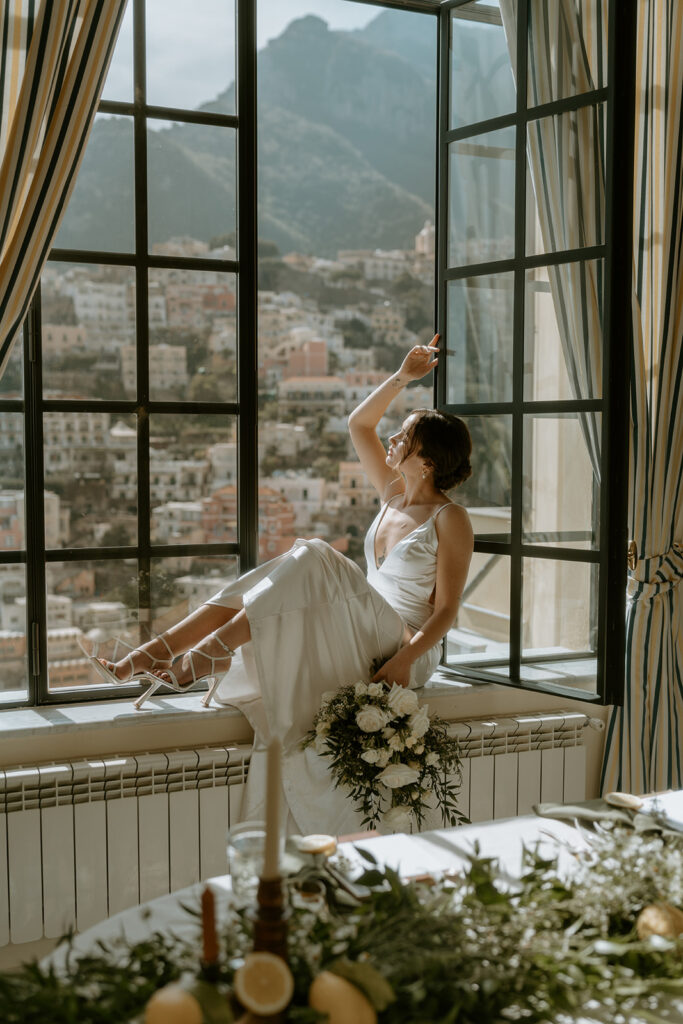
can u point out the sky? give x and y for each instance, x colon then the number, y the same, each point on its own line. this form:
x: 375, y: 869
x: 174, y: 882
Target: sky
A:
x: 190, y: 46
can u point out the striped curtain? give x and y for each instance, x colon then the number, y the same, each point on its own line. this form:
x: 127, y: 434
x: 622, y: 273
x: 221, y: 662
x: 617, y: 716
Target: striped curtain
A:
x: 53, y: 64
x: 643, y: 751
x: 566, y: 155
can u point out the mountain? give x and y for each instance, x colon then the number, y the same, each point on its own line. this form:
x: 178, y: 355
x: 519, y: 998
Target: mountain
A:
x: 406, y: 34
x: 346, y: 156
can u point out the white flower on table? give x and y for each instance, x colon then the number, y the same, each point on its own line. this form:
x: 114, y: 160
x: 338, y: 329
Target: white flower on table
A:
x: 371, y: 756
x: 397, y: 819
x: 419, y: 722
x: 370, y: 718
x: 397, y: 775
x: 402, y: 701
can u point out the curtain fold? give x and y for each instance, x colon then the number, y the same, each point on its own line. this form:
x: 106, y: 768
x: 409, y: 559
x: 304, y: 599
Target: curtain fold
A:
x: 55, y: 58
x: 566, y: 155
x: 644, y: 738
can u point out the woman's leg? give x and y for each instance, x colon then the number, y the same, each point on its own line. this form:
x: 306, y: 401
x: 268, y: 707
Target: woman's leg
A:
x: 206, y: 653
x: 159, y: 652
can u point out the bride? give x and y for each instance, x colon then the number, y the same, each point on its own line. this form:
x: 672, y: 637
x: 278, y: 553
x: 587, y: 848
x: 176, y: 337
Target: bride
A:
x: 309, y: 621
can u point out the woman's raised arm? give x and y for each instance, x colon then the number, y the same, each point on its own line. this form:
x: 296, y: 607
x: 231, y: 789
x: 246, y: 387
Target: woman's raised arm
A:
x: 364, y: 419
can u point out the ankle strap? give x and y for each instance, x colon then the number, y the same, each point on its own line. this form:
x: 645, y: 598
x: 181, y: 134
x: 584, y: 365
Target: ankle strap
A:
x: 162, y: 637
x: 228, y: 650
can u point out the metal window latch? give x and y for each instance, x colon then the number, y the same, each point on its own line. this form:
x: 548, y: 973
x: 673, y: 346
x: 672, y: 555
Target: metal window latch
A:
x: 632, y: 555
x: 35, y: 649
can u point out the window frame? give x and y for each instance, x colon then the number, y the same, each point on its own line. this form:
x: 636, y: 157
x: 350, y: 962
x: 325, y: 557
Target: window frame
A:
x: 610, y: 555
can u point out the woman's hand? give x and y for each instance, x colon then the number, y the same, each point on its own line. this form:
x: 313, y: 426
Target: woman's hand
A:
x: 420, y: 360
x: 396, y: 669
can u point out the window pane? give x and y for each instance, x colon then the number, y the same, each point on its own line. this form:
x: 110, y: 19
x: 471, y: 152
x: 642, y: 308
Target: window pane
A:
x: 487, y: 492
x: 481, y: 634
x: 201, y: 71
x: 192, y: 337
x: 12, y: 510
x: 88, y: 324
x: 480, y: 320
x: 13, y: 647
x: 481, y: 220
x: 119, y: 83
x: 93, y: 602
x: 559, y: 618
x: 567, y: 50
x: 100, y: 214
x: 90, y: 479
x: 481, y: 83
x: 180, y: 585
x: 561, y: 488
x: 12, y: 380
x: 193, y: 479
x: 565, y: 187
x: 563, y: 320
x: 191, y: 189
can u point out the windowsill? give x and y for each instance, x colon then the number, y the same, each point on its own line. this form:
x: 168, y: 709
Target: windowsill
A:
x: 72, y: 731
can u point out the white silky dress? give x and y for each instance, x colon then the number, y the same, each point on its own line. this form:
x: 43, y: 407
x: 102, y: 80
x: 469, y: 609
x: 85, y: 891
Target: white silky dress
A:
x: 317, y: 624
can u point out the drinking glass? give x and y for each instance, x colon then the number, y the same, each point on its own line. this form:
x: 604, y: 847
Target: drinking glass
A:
x: 246, y: 845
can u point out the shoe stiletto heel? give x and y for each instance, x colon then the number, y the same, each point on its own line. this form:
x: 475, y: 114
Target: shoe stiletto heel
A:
x: 212, y: 673
x: 100, y: 663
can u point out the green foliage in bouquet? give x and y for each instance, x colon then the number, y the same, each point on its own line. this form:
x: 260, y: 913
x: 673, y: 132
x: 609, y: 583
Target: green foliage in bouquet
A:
x: 395, y: 759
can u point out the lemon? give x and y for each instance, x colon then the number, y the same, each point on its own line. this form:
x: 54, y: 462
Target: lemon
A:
x: 173, y: 1005
x: 264, y: 983
x: 340, y: 1000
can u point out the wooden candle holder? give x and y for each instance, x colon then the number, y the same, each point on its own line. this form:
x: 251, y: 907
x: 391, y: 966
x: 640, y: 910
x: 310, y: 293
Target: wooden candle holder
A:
x: 270, y: 920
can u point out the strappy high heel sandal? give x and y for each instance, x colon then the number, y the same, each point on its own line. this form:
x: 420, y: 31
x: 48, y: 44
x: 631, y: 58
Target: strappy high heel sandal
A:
x: 213, y: 673
x: 100, y: 663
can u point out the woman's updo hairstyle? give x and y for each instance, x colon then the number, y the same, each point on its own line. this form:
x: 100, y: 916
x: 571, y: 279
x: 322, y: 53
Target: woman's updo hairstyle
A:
x: 444, y: 441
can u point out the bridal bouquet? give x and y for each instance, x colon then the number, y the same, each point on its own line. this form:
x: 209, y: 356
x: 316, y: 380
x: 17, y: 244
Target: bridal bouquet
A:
x: 395, y: 759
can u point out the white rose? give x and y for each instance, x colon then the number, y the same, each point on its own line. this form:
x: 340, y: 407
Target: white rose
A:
x: 371, y: 756
x: 419, y: 722
x: 396, y: 743
x: 431, y: 759
x: 396, y: 775
x: 375, y: 690
x: 360, y: 689
x: 383, y: 759
x: 370, y: 718
x: 402, y: 701
x: 397, y: 819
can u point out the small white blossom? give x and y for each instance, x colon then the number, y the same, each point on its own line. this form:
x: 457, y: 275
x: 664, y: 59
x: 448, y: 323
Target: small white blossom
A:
x: 419, y: 722
x: 360, y: 689
x: 375, y: 690
x: 431, y: 759
x: 396, y: 775
x: 396, y: 743
x: 410, y: 741
x: 383, y: 759
x: 401, y: 700
x: 370, y: 718
x: 396, y: 819
x: 371, y: 756
x: 388, y: 732
x: 420, y: 748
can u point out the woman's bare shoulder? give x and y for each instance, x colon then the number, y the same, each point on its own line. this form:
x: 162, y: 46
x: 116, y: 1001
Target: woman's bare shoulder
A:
x: 453, y: 520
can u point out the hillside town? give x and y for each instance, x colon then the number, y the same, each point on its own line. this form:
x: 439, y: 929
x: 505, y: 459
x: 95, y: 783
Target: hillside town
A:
x: 324, y: 343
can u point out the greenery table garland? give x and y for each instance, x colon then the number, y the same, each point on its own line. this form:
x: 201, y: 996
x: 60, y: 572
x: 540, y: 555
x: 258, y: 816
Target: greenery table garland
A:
x: 472, y: 949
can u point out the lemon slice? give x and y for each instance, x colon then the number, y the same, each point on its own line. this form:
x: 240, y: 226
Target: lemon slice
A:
x: 264, y: 984
x: 318, y: 844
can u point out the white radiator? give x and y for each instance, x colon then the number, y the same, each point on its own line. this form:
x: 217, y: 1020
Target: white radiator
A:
x: 510, y: 764
x: 83, y: 840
